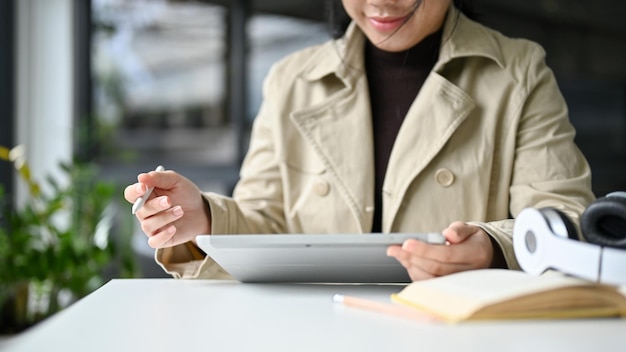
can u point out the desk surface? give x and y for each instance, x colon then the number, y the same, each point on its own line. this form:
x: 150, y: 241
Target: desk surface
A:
x: 177, y: 315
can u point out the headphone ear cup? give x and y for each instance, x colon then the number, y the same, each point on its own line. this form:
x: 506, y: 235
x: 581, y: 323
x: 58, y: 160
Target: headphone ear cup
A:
x: 559, y: 223
x: 604, y: 221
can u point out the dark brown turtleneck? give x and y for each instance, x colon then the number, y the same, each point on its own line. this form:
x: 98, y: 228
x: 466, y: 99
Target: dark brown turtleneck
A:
x: 394, y: 80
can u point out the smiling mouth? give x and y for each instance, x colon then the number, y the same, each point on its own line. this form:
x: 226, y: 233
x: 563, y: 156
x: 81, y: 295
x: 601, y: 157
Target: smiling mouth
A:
x: 387, y: 24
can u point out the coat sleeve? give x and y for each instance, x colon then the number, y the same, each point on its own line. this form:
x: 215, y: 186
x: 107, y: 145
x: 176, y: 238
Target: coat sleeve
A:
x: 548, y: 168
x: 188, y: 261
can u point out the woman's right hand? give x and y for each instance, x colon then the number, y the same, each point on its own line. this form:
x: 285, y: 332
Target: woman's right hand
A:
x: 174, y: 213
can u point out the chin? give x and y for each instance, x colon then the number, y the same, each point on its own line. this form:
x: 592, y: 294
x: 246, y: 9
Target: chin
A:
x: 389, y: 46
x: 392, y: 42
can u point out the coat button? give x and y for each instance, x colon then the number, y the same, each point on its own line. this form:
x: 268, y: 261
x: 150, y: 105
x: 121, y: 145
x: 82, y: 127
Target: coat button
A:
x: 321, y: 188
x: 444, y: 177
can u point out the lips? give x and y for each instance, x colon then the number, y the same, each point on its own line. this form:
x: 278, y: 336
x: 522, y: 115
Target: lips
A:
x: 387, y: 23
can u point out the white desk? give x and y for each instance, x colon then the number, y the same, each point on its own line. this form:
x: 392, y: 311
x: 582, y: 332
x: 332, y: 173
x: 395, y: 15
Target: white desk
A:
x: 177, y: 315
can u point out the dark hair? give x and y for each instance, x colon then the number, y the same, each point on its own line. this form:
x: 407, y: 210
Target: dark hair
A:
x: 468, y: 9
x: 339, y: 20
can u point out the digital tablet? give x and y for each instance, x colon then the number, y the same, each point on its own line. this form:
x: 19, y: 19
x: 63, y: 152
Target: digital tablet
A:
x: 336, y: 258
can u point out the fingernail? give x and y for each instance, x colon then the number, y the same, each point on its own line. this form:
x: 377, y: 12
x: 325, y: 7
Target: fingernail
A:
x: 138, y: 188
x: 171, y: 230
x: 177, y: 211
x: 164, y: 202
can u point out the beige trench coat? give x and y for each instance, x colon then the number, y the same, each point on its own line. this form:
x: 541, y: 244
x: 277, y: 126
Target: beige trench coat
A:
x: 487, y: 136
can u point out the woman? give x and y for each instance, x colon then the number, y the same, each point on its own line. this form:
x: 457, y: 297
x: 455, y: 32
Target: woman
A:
x: 417, y: 119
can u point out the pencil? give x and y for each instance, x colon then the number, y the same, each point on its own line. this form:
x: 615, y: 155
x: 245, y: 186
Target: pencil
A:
x: 141, y: 200
x: 385, y: 308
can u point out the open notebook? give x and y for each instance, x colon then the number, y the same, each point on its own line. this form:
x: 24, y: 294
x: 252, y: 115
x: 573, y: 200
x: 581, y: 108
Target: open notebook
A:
x: 336, y: 258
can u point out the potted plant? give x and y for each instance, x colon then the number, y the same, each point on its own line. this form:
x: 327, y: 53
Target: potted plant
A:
x: 57, y: 247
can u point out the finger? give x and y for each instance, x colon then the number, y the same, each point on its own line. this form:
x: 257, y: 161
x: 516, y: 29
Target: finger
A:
x: 397, y: 252
x: 163, y: 238
x: 420, y: 268
x: 433, y: 269
x: 458, y: 232
x: 134, y: 191
x: 152, y: 206
x: 435, y: 259
x: 436, y: 252
x: 416, y: 274
x: 159, y: 179
x: 408, y: 259
x: 154, y: 224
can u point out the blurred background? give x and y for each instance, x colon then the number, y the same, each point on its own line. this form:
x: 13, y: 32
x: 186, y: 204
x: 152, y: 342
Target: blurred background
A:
x: 130, y: 84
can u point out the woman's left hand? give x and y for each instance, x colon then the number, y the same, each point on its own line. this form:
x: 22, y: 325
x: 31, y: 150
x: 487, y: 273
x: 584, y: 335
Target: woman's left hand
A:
x: 467, y: 247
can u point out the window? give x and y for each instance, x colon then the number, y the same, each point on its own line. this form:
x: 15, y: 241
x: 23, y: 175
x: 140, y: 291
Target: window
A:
x: 160, y: 85
x: 161, y: 88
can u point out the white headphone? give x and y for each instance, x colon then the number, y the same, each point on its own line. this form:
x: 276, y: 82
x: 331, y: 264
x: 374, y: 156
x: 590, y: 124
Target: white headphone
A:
x: 547, y: 239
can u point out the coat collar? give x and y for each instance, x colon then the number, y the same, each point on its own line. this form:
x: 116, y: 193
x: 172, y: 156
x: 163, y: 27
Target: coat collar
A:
x: 461, y: 37
x: 343, y: 57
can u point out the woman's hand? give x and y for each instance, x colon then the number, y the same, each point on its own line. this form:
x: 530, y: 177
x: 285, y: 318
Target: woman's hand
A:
x: 174, y: 213
x: 467, y: 247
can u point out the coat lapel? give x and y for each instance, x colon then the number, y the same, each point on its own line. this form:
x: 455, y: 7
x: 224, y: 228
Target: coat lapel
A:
x: 438, y: 111
x: 340, y: 131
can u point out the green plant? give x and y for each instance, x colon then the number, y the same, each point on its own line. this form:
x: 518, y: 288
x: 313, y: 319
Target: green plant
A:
x: 57, y: 246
